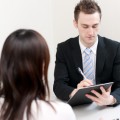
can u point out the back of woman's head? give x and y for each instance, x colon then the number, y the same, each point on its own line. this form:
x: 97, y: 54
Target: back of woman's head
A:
x: 23, y: 72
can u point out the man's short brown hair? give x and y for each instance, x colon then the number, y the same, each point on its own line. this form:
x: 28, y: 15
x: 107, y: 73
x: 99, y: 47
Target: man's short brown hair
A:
x: 86, y: 6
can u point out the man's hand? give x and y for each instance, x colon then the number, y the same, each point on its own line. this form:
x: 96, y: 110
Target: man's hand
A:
x: 73, y: 93
x: 102, y: 99
x: 84, y: 83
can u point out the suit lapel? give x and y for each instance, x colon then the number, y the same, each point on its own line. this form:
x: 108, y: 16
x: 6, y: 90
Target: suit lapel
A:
x: 76, y: 53
x: 100, y: 58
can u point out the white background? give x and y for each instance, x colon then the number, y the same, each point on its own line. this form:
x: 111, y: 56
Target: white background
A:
x: 54, y: 20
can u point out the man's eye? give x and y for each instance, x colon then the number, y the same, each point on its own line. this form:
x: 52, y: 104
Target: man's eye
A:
x: 95, y: 26
x: 85, y: 26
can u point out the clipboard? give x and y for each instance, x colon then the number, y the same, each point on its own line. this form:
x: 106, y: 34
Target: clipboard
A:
x: 79, y: 98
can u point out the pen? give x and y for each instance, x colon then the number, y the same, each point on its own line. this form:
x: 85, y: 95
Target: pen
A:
x: 80, y: 71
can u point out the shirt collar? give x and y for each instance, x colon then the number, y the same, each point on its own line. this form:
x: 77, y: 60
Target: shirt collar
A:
x: 93, y: 48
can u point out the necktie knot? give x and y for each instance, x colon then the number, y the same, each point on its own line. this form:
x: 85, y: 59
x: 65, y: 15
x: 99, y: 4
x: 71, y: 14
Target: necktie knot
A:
x: 87, y: 51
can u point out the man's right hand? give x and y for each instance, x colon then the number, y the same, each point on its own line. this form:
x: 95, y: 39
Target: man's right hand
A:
x: 82, y: 84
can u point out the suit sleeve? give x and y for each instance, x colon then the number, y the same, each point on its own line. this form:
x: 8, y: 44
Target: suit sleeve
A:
x: 61, y: 83
x: 116, y: 76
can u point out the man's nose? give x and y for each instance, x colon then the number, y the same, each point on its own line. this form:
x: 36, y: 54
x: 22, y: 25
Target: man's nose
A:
x: 90, y: 31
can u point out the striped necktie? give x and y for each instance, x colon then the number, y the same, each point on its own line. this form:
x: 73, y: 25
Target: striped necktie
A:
x: 88, y: 64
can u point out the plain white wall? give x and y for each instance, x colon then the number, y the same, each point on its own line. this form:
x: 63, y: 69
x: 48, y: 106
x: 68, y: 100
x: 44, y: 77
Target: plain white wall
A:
x: 110, y: 23
x: 34, y: 14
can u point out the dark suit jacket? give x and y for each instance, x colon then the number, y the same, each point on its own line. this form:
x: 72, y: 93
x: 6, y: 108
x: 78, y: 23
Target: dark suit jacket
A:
x: 69, y: 58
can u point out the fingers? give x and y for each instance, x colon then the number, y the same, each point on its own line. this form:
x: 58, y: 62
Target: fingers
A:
x: 104, y: 91
x: 109, y: 89
x: 84, y: 83
x: 93, y: 98
x: 88, y: 81
x: 101, y: 99
x: 97, y: 94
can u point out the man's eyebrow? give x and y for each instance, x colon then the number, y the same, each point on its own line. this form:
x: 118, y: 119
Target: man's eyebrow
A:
x: 84, y: 24
x: 96, y: 24
x: 88, y: 25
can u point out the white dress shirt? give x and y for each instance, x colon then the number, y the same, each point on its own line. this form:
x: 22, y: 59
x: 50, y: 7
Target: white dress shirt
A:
x: 92, y: 54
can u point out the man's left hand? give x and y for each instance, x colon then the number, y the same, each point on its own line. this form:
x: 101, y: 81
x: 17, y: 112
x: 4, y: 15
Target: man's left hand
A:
x: 102, y: 99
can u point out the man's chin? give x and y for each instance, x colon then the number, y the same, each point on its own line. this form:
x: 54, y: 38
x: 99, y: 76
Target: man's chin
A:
x: 91, y: 40
x: 90, y: 43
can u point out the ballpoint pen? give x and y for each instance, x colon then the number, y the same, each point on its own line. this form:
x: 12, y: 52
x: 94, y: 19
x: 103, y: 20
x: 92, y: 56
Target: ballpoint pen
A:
x: 80, y: 71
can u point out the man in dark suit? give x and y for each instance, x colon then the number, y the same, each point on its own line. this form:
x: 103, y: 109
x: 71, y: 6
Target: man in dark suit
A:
x: 104, y: 55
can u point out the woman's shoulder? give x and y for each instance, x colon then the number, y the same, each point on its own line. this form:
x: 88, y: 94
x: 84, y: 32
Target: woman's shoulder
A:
x: 49, y: 110
x: 60, y: 105
x: 55, y: 110
x: 57, y: 105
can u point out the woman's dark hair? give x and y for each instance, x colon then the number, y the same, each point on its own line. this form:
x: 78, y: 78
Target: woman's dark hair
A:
x: 23, y: 73
x: 87, y: 7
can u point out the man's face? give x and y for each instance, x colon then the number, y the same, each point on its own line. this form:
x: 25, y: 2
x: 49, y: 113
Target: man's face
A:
x: 88, y: 25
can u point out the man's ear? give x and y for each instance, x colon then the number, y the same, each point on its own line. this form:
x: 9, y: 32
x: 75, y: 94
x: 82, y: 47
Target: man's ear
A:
x: 75, y: 23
